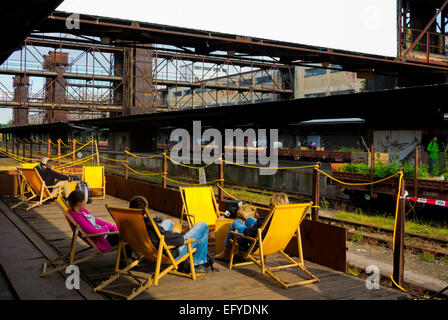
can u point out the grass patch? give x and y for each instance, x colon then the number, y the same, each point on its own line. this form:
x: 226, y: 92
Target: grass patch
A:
x: 426, y: 256
x: 432, y: 229
x: 357, y: 238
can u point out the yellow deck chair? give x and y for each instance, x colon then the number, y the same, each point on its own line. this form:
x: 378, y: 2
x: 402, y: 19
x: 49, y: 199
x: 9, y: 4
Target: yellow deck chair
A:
x: 23, y: 187
x: 36, y: 186
x: 94, y: 176
x: 133, y: 232
x: 64, y: 261
x: 199, y: 205
x: 284, y: 221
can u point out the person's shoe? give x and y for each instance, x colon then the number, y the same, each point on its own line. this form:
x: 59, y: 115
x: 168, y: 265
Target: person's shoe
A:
x: 225, y: 255
x: 202, y: 268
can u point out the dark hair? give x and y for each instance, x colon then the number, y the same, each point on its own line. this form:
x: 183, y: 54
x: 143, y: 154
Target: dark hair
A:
x: 75, y: 197
x: 50, y: 163
x: 138, y: 202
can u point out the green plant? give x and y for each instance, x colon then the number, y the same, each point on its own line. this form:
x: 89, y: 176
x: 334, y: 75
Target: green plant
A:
x: 357, y: 238
x: 350, y: 149
x: 324, y: 203
x: 426, y: 256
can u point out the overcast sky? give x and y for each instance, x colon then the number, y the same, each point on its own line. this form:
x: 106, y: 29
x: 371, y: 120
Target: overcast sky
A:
x: 367, y: 26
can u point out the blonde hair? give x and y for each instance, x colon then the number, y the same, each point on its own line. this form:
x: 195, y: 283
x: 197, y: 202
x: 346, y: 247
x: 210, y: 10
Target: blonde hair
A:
x: 278, y: 199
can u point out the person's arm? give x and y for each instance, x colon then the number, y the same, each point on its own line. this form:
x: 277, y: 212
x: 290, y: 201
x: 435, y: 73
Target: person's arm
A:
x: 58, y: 176
x: 171, y: 238
x: 85, y: 225
x: 252, y: 230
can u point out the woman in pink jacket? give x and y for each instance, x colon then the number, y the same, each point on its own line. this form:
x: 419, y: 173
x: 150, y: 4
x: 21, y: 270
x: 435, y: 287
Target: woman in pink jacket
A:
x: 89, y: 224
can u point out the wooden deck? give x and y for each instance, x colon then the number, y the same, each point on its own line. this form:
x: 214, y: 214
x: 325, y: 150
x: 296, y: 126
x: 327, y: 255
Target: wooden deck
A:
x: 244, y: 283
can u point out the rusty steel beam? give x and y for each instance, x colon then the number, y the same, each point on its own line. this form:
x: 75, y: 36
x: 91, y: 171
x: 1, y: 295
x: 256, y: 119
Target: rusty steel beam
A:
x: 425, y: 30
x: 61, y: 106
x: 67, y: 75
x: 324, y: 53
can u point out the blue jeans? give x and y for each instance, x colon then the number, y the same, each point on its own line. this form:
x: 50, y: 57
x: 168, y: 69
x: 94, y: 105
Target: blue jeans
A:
x: 198, y: 232
x: 239, y: 226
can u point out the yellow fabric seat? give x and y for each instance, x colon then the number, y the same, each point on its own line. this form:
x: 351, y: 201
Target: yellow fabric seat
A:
x: 133, y: 232
x: 77, y: 232
x: 199, y: 205
x: 94, y: 176
x: 282, y: 223
x: 31, y: 178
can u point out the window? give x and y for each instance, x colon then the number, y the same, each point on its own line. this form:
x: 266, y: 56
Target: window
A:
x: 246, y: 82
x: 338, y: 93
x: 339, y: 69
x: 314, y: 72
x: 177, y: 94
x: 315, y: 95
x: 264, y: 79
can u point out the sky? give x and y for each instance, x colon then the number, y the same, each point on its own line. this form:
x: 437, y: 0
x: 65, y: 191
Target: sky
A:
x: 367, y: 26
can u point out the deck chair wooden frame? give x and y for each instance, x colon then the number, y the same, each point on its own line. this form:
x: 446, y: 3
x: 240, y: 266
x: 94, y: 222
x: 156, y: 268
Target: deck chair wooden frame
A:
x: 190, y: 216
x: 40, y: 193
x: 302, y: 210
x: 64, y: 261
x: 103, y: 182
x: 161, y: 255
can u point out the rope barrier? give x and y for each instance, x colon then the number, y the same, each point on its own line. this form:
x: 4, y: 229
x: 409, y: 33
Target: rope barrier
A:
x: 357, y: 184
x: 72, y: 164
x: 103, y: 157
x: 235, y: 198
x: 142, y: 157
x: 143, y: 173
x: 187, y: 166
x: 268, y: 168
x: 62, y: 142
x: 194, y: 184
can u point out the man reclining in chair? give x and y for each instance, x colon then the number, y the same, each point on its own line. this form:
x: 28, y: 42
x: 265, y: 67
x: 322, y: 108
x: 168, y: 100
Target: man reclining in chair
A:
x: 249, y: 227
x: 54, y: 180
x: 173, y: 237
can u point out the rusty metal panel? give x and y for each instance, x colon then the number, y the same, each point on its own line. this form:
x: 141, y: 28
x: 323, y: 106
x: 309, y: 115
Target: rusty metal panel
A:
x: 322, y: 243
x: 165, y: 200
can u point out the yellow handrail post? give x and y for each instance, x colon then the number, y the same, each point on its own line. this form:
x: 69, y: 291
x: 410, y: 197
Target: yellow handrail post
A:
x: 59, y: 151
x: 73, y: 150
x: 398, y: 247
x: 165, y: 169
x: 316, y: 194
x: 126, y: 170
x: 49, y: 148
x: 221, y: 178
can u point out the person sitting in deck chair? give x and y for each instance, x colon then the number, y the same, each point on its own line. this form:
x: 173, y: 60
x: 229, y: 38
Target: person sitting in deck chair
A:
x: 173, y: 237
x: 42, y: 165
x: 89, y: 224
x: 55, y: 180
x: 249, y: 227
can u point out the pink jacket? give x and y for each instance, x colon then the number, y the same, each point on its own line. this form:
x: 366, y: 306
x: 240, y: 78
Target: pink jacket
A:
x: 101, y: 241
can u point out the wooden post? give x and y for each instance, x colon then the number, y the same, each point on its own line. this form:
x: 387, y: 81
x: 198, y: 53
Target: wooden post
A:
x: 49, y: 148
x: 221, y: 177
x: 399, y: 239
x: 39, y: 148
x: 372, y: 161
x: 165, y: 169
x: 6, y: 143
x: 73, y: 150
x: 422, y: 158
x: 59, y: 151
x: 416, y: 173
x: 13, y: 147
x: 316, y: 194
x: 126, y: 170
x: 97, y: 153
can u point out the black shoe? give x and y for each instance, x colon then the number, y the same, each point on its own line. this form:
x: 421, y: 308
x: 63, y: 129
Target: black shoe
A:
x: 202, y: 268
